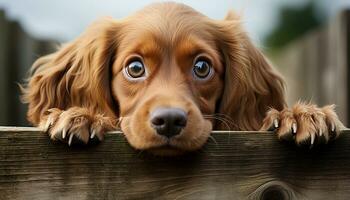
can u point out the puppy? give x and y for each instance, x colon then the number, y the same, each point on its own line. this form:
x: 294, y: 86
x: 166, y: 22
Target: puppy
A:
x: 166, y: 76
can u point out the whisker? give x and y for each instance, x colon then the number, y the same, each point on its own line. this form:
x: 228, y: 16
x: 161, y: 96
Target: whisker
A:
x: 220, y: 119
x: 120, y: 119
x: 213, y: 139
x: 222, y: 116
x: 140, y: 152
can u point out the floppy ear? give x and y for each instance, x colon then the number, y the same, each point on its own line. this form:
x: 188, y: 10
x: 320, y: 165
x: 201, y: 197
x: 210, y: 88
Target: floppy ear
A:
x: 75, y: 75
x: 252, y: 86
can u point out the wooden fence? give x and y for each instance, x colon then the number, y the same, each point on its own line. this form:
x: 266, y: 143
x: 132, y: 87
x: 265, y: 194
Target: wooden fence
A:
x: 317, y: 66
x: 238, y: 165
x: 18, y: 50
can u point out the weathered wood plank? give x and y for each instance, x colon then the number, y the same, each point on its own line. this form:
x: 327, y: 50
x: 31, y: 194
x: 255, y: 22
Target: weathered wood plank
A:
x: 239, y: 165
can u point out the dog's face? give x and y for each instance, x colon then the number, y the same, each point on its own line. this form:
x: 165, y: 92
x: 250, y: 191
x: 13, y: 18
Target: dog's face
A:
x: 167, y: 81
x: 168, y: 73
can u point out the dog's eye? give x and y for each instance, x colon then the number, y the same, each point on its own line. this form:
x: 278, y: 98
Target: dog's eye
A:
x: 202, y: 69
x: 135, y: 69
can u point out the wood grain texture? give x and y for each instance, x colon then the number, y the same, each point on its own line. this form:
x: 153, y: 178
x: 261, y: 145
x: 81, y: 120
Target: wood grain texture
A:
x: 239, y: 165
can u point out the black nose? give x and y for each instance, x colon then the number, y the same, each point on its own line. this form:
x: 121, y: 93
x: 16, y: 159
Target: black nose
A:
x: 168, y: 121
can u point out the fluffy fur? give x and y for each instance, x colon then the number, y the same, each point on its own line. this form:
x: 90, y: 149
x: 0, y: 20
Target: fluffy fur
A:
x: 81, y: 91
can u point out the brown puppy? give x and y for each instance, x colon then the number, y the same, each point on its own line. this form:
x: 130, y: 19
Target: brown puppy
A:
x: 167, y: 75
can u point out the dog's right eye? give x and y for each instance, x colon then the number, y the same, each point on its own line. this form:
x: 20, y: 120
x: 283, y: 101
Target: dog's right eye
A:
x: 135, y: 69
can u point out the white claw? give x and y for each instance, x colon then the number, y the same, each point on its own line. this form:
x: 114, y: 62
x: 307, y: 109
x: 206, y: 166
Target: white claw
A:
x: 312, y: 139
x: 64, y: 133
x: 48, y: 124
x: 93, y: 134
x: 294, y: 128
x: 275, y: 123
x: 333, y: 127
x: 320, y: 132
x: 70, y: 139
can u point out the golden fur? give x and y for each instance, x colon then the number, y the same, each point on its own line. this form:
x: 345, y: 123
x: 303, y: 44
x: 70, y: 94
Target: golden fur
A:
x: 80, y: 90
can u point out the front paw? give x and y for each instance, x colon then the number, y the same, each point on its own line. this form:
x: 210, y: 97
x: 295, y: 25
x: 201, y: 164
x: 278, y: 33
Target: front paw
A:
x: 304, y: 123
x: 75, y: 125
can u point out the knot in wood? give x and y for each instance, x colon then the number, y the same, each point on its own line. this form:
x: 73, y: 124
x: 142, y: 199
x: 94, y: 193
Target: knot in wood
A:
x: 275, y: 192
x: 272, y: 190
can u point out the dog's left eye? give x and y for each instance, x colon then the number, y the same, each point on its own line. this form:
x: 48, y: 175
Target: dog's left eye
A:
x: 202, y: 69
x: 135, y: 69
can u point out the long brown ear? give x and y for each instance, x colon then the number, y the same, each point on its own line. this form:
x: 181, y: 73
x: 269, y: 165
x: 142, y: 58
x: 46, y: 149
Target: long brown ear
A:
x: 76, y: 75
x: 252, y: 86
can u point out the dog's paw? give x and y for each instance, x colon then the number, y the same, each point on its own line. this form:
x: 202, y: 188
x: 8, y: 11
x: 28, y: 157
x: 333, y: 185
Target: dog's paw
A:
x: 75, y: 125
x: 304, y: 123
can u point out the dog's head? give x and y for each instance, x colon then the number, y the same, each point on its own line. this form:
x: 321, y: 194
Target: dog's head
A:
x: 170, y: 74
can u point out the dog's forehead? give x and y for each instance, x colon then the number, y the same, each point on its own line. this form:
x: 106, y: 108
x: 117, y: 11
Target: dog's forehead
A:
x: 170, y: 20
x: 167, y: 26
x: 167, y: 10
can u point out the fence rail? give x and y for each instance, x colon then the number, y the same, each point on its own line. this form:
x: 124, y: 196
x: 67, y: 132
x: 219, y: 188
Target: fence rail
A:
x: 238, y: 165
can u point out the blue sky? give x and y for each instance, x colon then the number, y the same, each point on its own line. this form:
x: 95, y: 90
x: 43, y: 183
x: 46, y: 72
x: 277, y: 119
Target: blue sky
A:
x: 66, y: 19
